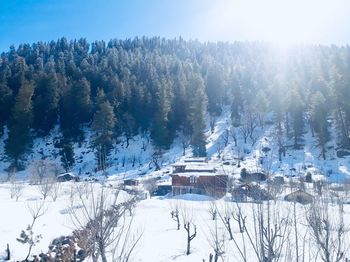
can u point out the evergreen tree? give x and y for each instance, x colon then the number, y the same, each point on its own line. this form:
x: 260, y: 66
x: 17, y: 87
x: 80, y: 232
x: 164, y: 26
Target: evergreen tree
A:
x: 76, y: 108
x: 160, y: 131
x: 295, y: 108
x: 237, y: 100
x: 214, y: 89
x: 341, y: 96
x: 66, y: 152
x: 197, y: 111
x: 319, y: 123
x: 5, y: 104
x: 45, y: 103
x: 103, y: 124
x: 19, y: 127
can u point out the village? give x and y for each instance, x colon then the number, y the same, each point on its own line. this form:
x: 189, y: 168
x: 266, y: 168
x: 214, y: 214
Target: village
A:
x: 227, y: 192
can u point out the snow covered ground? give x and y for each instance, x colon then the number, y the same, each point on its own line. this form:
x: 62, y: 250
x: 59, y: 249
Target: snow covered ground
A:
x: 160, y: 240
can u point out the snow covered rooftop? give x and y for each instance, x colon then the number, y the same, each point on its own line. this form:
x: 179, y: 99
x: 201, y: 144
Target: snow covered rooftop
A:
x: 184, y: 168
x: 196, y: 160
x: 197, y: 174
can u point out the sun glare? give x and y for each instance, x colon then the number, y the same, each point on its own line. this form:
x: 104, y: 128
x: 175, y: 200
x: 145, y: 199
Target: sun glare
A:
x: 276, y: 21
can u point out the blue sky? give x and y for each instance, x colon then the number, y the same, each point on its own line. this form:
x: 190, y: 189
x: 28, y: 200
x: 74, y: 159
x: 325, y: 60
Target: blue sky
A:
x: 309, y: 21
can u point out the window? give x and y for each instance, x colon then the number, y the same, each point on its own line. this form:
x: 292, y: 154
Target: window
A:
x: 193, y: 179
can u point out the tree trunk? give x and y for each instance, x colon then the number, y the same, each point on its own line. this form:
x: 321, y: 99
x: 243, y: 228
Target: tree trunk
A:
x: 103, y: 252
x: 188, y: 244
x: 323, y: 152
x: 8, y: 256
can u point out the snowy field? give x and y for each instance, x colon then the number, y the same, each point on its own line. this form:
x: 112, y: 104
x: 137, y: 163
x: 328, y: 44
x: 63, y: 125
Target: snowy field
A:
x: 160, y: 239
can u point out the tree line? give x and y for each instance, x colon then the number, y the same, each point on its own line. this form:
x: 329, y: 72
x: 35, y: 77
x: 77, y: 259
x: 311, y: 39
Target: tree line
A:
x: 164, y: 88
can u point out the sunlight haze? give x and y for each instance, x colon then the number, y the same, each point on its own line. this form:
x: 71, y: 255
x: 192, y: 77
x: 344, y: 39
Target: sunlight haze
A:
x: 276, y: 21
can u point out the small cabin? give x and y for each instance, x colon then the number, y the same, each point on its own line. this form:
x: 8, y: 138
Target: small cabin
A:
x: 131, y: 182
x: 299, y: 196
x: 67, y: 177
x: 253, y: 191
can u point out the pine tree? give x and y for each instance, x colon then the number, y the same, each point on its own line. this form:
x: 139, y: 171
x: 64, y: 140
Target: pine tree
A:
x: 5, y: 104
x: 318, y: 115
x: 160, y: 131
x: 295, y: 108
x: 45, y: 103
x: 178, y: 115
x: 19, y: 128
x: 103, y: 124
x: 66, y: 152
x: 76, y: 108
x: 237, y: 100
x: 339, y: 86
x: 214, y: 89
x: 197, y: 110
x: 261, y: 104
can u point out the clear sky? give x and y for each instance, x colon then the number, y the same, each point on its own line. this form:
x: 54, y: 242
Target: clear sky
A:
x: 284, y: 21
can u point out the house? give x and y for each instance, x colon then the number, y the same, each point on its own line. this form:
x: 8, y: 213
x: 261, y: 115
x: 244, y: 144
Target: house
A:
x: 67, y: 177
x: 251, y: 190
x: 299, y: 196
x: 198, y: 177
x: 131, y: 182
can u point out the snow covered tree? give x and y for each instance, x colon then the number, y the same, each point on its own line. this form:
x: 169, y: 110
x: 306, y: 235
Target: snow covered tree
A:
x: 295, y: 109
x: 19, y: 128
x: 103, y: 124
x: 6, y: 96
x: 197, y: 109
x: 319, y: 123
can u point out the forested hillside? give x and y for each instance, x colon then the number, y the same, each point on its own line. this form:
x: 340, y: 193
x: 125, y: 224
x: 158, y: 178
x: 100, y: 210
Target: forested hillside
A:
x: 168, y: 88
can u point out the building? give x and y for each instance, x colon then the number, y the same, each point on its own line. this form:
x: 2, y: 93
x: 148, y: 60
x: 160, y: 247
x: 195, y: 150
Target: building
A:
x: 299, y: 196
x: 67, y: 177
x: 131, y: 182
x: 198, y: 177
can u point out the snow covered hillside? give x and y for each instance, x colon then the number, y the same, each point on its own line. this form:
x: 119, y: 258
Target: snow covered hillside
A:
x: 259, y: 152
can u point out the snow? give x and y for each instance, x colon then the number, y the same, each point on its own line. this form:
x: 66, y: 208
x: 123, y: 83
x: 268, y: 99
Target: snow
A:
x: 15, y: 217
x: 193, y: 197
x: 160, y: 240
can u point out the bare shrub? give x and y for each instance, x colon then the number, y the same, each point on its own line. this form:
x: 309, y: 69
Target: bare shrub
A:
x: 270, y: 231
x: 216, y: 240
x: 175, y: 214
x: 40, y: 169
x: 55, y: 190
x: 213, y: 210
x: 106, y: 223
x: 16, y: 188
x: 150, y: 185
x: 45, y: 187
x: 189, y: 226
x: 328, y: 230
x: 27, y: 236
